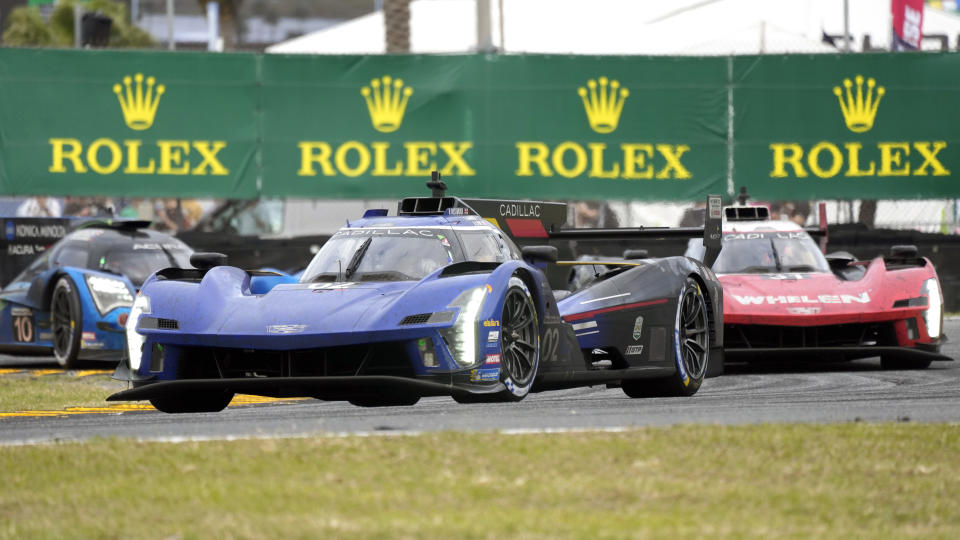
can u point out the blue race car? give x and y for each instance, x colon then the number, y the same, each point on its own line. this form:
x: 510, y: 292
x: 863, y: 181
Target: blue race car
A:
x: 74, y: 299
x: 433, y: 301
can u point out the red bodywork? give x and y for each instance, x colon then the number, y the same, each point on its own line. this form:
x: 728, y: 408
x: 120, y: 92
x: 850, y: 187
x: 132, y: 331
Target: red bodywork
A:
x: 825, y: 299
x: 822, y: 313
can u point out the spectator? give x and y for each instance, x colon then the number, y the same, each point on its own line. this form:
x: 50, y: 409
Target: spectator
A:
x: 40, y: 207
x: 169, y: 216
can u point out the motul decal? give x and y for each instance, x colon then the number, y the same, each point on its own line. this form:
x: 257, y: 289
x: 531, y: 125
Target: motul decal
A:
x: 862, y: 298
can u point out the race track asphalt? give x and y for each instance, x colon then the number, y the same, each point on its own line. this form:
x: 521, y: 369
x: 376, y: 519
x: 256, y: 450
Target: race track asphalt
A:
x: 856, y: 391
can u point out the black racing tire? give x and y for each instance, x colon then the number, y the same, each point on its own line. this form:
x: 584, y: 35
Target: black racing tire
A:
x: 66, y: 321
x: 896, y: 362
x: 519, y: 341
x: 716, y: 366
x: 404, y: 401
x: 180, y: 403
x: 692, y: 346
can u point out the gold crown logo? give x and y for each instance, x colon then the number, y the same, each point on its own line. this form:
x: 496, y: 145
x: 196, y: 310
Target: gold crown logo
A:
x: 603, y: 106
x: 858, y: 112
x: 138, y: 107
x: 387, y: 101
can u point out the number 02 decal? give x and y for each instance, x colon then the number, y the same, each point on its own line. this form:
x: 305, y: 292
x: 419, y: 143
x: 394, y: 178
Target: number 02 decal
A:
x: 23, y: 329
x: 551, y: 341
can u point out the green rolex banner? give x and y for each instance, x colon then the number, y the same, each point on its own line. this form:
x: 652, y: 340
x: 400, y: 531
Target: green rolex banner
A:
x: 847, y: 126
x: 154, y: 123
x: 128, y: 123
x: 498, y: 126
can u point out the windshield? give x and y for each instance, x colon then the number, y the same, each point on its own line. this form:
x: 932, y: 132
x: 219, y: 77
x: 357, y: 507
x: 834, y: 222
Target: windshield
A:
x: 769, y: 252
x: 144, y: 259
x: 404, y: 254
x: 393, y: 254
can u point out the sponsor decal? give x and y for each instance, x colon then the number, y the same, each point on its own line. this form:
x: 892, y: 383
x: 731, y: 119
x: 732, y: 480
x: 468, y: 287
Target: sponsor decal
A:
x: 104, y: 156
x: 637, y: 328
x: 30, y: 230
x: 634, y: 350
x: 492, y: 359
x: 157, y: 247
x: 45, y: 336
x: 91, y: 344
x: 493, y: 335
x: 603, y: 101
x: 21, y: 312
x: 424, y: 233
x: 862, y: 298
x: 765, y: 235
x: 789, y: 277
x: 321, y: 287
x: 826, y: 159
x: 491, y: 322
x: 286, y: 328
x: 386, y: 99
x: 583, y: 326
x: 803, y: 310
x: 88, y: 336
x: 485, y: 374
x: 520, y: 210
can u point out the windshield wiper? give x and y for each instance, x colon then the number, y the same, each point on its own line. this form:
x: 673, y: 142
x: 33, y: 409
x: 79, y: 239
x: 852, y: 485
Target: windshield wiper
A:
x: 357, y: 257
x: 776, y: 256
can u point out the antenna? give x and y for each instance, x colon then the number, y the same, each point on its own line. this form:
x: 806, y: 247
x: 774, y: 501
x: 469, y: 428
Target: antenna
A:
x: 743, y: 197
x: 436, y: 185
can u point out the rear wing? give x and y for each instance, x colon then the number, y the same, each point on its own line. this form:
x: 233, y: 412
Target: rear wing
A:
x: 710, y: 232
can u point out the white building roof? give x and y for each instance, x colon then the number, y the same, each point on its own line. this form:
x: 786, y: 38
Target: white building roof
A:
x: 676, y: 27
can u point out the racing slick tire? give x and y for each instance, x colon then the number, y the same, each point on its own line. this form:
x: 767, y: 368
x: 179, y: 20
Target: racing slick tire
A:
x: 66, y: 322
x: 691, y: 334
x: 519, y: 341
x: 895, y: 362
x: 404, y: 401
x: 519, y: 347
x: 181, y: 403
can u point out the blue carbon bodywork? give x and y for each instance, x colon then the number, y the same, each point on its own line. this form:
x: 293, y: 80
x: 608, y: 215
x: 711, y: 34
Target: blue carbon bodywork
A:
x: 225, y: 311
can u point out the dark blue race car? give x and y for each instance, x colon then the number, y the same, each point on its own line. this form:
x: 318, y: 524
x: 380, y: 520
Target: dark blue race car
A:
x: 74, y: 298
x: 433, y: 301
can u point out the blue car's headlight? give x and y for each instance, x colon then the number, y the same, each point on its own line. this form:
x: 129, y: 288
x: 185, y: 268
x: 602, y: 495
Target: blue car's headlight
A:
x: 108, y: 293
x: 462, y: 336
x: 134, y: 339
x: 933, y: 315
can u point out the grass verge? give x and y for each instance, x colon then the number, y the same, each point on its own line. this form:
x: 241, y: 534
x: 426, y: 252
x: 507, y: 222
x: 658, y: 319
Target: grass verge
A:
x: 52, y: 392
x: 859, y: 480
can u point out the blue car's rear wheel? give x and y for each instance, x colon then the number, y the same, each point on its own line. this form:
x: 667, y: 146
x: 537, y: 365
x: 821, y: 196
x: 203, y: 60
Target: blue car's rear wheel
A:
x: 66, y: 321
x: 692, y: 350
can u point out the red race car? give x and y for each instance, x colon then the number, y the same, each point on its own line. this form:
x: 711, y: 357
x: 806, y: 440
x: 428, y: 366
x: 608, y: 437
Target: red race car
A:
x: 783, y: 299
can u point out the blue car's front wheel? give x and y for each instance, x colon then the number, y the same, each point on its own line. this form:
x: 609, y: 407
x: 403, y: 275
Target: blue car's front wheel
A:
x: 519, y: 340
x: 66, y: 321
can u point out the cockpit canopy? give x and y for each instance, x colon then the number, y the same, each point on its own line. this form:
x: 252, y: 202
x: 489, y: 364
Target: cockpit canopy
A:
x: 396, y: 253
x: 769, y: 252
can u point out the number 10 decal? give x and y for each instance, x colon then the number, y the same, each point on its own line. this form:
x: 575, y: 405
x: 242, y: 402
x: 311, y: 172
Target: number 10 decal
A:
x: 23, y: 328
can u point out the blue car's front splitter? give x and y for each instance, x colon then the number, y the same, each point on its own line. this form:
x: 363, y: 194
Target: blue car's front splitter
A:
x: 328, y: 388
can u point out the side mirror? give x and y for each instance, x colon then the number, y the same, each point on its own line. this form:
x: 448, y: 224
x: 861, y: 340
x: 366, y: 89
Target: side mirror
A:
x: 206, y: 261
x: 536, y: 254
x: 903, y: 252
x: 839, y: 259
x: 635, y: 254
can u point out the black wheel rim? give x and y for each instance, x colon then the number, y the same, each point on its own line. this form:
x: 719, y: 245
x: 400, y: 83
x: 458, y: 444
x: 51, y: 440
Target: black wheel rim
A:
x: 694, y: 334
x: 518, y: 337
x: 62, y: 329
